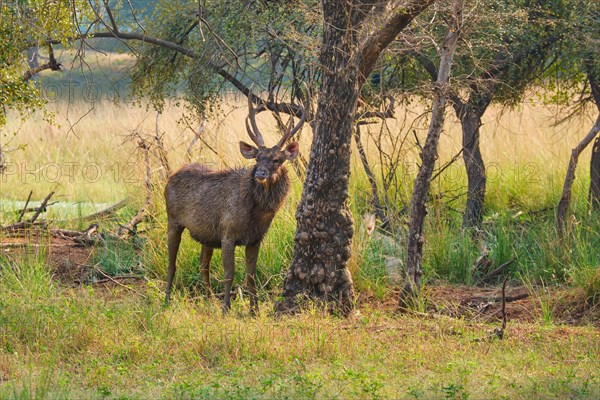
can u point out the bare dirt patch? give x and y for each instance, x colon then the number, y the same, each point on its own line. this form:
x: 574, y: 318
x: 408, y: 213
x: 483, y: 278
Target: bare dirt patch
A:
x: 67, y: 259
x: 484, y: 304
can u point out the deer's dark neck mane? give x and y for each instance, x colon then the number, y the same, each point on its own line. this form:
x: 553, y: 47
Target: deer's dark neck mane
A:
x: 269, y: 197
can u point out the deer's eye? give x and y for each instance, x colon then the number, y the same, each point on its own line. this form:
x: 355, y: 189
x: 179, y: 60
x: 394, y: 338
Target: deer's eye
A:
x: 277, y: 161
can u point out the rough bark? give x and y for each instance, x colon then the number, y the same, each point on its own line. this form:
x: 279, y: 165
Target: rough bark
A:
x: 595, y: 176
x: 324, y: 231
x: 565, y: 200
x: 429, y: 155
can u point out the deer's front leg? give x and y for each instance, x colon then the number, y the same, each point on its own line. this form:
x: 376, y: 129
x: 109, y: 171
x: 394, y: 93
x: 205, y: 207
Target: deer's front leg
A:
x: 174, y: 238
x: 228, y: 255
x: 251, y: 259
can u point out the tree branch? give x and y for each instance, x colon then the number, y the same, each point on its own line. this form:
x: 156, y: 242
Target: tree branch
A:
x: 457, y: 103
x: 372, y: 47
x: 114, y: 28
x: 41, y: 208
x: 52, y: 64
x: 286, y: 108
x: 363, y: 119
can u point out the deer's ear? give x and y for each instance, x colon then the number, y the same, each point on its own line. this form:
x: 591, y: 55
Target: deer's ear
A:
x: 248, y: 151
x: 292, y: 150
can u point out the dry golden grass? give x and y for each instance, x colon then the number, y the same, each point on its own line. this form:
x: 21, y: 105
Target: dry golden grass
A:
x: 523, y: 142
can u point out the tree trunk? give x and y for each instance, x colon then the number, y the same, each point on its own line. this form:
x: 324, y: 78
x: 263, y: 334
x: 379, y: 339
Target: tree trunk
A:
x: 594, y: 196
x: 429, y: 155
x: 565, y: 200
x: 595, y: 176
x: 324, y: 223
x: 324, y: 231
x: 476, y: 177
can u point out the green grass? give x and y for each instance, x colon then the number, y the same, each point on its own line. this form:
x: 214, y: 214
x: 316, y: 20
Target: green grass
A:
x: 111, y: 343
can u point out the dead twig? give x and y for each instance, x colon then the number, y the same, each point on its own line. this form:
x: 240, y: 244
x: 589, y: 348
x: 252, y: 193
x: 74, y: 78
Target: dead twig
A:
x: 500, y: 332
x: 22, y: 213
x: 496, y: 272
x: 162, y: 153
x: 418, y: 143
x: 448, y: 164
x: 115, y: 280
x: 120, y: 277
x: 131, y: 226
x: 88, y: 237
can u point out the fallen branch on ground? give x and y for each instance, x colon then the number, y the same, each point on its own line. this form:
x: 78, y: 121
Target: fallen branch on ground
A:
x: 88, y: 237
x: 107, y: 211
x: 119, y: 277
x: 22, y: 226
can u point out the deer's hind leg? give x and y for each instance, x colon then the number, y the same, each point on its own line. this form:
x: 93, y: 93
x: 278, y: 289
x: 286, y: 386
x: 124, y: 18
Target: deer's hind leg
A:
x: 205, y: 256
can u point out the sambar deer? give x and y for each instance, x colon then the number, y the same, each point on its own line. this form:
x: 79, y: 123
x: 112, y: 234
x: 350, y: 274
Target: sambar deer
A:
x: 228, y: 208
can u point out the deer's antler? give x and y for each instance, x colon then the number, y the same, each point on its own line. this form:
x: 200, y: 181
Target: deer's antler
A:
x: 289, y: 132
x: 253, y: 132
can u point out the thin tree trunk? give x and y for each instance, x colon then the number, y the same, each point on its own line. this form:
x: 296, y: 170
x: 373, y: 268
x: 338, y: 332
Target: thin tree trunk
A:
x: 429, y: 155
x: 2, y: 167
x: 476, y: 177
x: 379, y: 210
x: 565, y: 200
x: 595, y: 176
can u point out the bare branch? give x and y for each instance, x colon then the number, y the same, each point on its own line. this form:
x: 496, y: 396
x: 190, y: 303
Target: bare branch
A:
x: 41, y: 208
x: 24, y: 207
x: 387, y: 113
x: 115, y: 28
x: 286, y: 108
x: 52, y: 64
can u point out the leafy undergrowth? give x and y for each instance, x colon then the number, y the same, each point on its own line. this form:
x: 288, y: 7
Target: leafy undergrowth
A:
x: 118, y: 341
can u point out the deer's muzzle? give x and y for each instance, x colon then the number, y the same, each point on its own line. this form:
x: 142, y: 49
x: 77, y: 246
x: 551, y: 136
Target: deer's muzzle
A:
x: 261, y: 174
